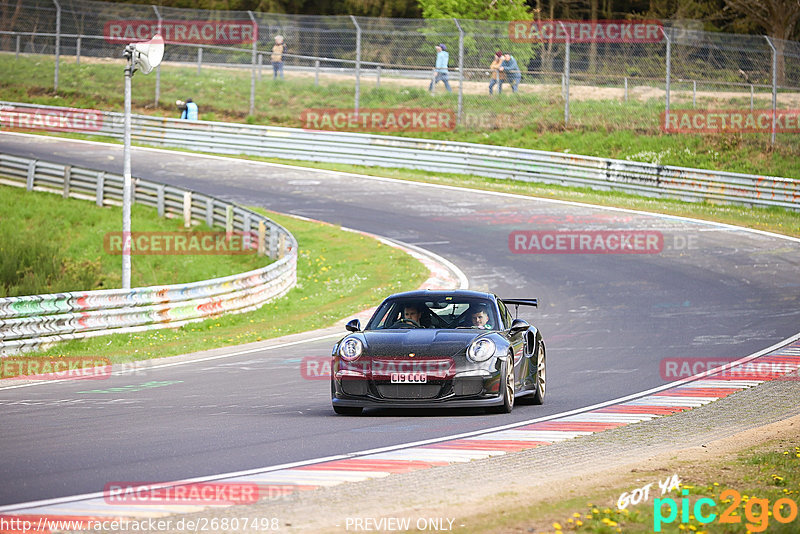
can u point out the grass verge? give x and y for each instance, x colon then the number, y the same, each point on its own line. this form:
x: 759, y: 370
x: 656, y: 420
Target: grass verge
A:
x: 338, y: 273
x: 756, y: 489
x: 49, y: 244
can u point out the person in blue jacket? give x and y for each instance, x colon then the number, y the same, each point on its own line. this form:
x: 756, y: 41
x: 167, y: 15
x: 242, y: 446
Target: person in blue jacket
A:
x: 510, y: 67
x: 442, y: 59
x: 189, y: 110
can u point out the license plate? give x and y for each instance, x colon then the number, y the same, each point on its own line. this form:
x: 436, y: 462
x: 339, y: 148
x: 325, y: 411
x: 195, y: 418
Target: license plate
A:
x: 409, y: 378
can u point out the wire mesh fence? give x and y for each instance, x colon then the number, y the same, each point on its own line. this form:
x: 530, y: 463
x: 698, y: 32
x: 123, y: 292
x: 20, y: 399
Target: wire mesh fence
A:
x: 385, y: 75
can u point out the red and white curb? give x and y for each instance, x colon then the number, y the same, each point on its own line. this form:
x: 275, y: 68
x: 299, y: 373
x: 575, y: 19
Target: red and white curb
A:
x: 775, y: 363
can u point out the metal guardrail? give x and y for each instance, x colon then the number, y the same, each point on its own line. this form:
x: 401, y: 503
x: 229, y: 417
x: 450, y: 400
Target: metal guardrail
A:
x: 31, y: 322
x: 444, y: 156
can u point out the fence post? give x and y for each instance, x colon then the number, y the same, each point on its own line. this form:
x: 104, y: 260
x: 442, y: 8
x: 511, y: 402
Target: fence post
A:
x: 78, y: 50
x: 58, y: 44
x: 668, y: 75
x: 210, y: 212
x: 187, y: 209
x: 460, y: 71
x: 378, y: 78
x: 260, y: 65
x: 774, y: 86
x: 99, y: 191
x: 694, y: 93
x: 16, y: 53
x: 358, y: 65
x: 31, y: 175
x: 751, y: 97
x: 158, y: 68
x: 253, y: 66
x: 316, y: 73
x: 626, y: 88
x: 160, y: 200
x: 199, y: 59
x: 67, y: 179
x: 566, y: 76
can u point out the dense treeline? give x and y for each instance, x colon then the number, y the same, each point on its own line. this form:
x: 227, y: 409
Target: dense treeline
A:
x: 778, y: 18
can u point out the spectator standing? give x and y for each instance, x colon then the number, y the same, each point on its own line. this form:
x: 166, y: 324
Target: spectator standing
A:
x: 277, y: 57
x: 442, y: 59
x: 496, y: 75
x: 511, y: 69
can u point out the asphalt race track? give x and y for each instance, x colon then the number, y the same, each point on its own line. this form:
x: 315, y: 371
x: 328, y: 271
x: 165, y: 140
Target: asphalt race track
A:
x: 608, y: 321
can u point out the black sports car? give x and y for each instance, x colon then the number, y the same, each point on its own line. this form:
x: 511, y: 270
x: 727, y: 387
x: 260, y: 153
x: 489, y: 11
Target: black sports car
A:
x: 428, y: 349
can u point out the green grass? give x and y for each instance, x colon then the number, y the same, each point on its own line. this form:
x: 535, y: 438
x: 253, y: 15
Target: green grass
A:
x: 49, y: 244
x: 605, y: 128
x: 338, y: 273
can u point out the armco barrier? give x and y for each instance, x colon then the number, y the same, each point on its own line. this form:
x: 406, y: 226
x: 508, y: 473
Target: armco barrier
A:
x: 442, y: 156
x: 30, y: 322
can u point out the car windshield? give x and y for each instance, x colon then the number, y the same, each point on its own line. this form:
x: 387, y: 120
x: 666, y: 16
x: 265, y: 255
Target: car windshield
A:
x: 444, y: 312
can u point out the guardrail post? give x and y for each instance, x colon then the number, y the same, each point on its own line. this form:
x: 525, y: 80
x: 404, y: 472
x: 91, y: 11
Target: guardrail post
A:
x: 273, y: 243
x: 460, y: 72
x: 626, y: 88
x: 281, y: 246
x: 774, y: 87
x: 210, y: 212
x: 100, y: 188
x: 58, y: 44
x: 199, y: 60
x: 67, y: 178
x: 31, y: 175
x: 187, y: 209
x: 751, y: 97
x: 566, y: 76
x: 316, y: 73
x: 260, y: 65
x: 253, y: 64
x: 668, y: 61
x: 78, y: 50
x: 16, y: 53
x: 378, y: 77
x: 160, y: 205
x: 358, y: 65
x: 262, y: 235
x: 158, y: 68
x: 228, y: 222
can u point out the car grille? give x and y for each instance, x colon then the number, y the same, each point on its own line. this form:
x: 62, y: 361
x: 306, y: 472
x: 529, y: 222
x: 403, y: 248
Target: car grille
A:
x: 409, y: 391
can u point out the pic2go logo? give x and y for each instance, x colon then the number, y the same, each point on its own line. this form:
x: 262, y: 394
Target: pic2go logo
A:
x: 783, y: 511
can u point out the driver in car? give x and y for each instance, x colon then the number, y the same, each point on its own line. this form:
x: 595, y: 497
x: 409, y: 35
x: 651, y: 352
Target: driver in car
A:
x: 479, y: 318
x: 414, y: 312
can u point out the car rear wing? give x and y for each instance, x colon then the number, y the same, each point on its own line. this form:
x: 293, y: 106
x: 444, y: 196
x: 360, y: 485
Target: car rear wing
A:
x: 522, y: 302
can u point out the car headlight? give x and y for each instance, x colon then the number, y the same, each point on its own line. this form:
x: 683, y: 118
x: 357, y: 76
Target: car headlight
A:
x: 351, y: 349
x: 481, y: 350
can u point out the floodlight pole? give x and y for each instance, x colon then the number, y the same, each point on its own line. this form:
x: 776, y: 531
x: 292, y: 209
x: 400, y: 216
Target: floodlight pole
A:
x: 126, y: 175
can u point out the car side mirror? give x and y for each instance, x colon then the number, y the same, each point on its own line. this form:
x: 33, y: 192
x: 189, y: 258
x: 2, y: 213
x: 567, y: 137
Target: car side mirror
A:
x: 353, y: 326
x: 519, y: 325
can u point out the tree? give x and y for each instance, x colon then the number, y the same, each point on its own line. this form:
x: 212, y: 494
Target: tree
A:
x: 778, y: 18
x: 476, y: 9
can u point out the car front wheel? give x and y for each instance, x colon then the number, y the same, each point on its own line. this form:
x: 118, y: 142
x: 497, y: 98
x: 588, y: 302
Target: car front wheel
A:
x: 541, y: 375
x: 507, y: 386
